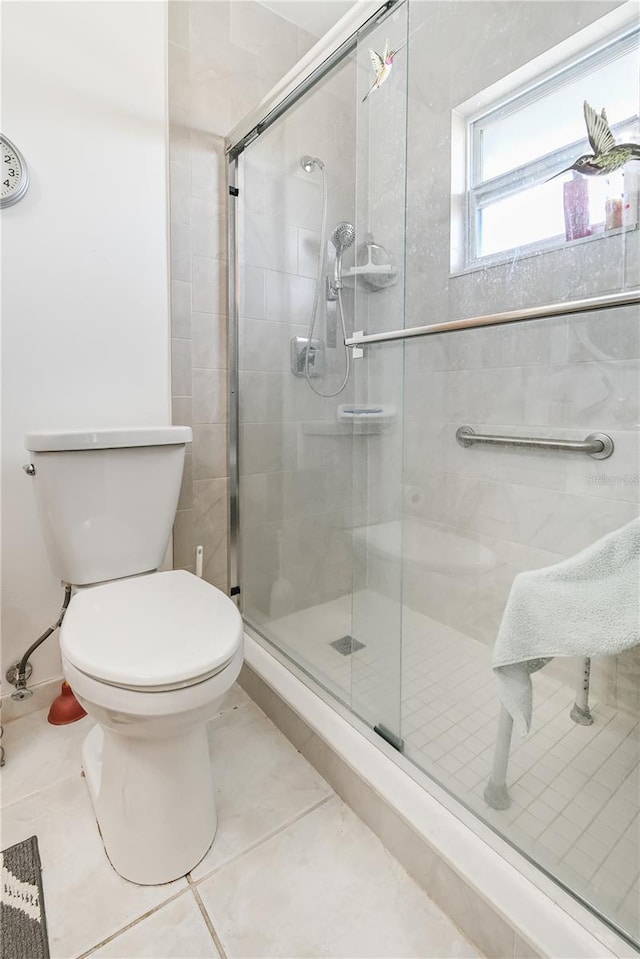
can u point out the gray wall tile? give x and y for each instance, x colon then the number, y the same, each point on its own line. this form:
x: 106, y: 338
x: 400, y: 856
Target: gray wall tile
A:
x: 178, y: 22
x: 209, y: 451
x: 181, y: 305
x: 181, y: 410
x: 183, y: 538
x: 209, y: 336
x: 251, y: 47
x: 209, y: 396
x: 180, y: 367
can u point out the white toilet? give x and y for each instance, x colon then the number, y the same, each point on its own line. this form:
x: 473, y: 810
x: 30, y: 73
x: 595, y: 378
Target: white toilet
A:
x: 148, y: 654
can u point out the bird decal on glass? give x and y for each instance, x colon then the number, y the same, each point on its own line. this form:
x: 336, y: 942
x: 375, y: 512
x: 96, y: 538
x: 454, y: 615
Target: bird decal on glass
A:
x: 607, y: 155
x: 383, y: 62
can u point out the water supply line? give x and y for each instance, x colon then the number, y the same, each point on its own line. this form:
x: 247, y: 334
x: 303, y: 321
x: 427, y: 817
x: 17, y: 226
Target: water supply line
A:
x: 20, y: 671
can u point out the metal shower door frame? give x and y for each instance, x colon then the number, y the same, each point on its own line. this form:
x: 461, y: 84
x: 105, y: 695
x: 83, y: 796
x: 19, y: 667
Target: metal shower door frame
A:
x: 321, y: 59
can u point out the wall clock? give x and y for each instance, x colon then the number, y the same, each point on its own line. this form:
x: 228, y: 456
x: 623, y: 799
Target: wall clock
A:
x: 15, y: 173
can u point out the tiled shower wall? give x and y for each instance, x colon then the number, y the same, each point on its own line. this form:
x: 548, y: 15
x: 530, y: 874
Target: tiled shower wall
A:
x: 564, y: 377
x: 521, y: 509
x: 223, y: 58
x: 297, y: 459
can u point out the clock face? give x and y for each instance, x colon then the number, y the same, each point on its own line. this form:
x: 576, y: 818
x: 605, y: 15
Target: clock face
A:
x: 14, y: 176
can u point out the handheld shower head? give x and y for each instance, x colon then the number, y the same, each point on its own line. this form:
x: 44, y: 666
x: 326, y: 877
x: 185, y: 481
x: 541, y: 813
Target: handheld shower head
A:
x: 343, y: 236
x: 309, y: 163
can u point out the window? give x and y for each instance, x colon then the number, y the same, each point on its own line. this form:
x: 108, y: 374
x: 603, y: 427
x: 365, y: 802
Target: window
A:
x: 522, y: 140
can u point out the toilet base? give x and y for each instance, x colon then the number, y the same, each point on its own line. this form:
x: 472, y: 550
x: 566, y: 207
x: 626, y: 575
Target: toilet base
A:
x: 153, y: 800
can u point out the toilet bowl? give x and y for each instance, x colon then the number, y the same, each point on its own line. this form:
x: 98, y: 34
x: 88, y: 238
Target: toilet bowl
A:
x: 148, y: 654
x: 149, y: 658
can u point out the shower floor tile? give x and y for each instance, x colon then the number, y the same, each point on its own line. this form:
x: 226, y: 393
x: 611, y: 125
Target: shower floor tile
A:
x: 574, y: 789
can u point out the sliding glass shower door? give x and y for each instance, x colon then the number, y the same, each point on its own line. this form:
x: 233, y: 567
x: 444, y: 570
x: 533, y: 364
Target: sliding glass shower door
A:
x: 321, y: 233
x: 418, y: 511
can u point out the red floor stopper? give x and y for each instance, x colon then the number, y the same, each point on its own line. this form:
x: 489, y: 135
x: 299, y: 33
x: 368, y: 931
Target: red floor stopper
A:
x: 65, y: 708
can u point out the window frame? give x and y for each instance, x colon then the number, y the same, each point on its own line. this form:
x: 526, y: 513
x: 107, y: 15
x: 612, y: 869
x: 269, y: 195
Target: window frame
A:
x: 481, y: 193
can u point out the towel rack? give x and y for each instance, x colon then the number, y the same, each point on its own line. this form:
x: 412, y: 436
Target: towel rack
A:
x: 609, y: 300
x: 598, y: 445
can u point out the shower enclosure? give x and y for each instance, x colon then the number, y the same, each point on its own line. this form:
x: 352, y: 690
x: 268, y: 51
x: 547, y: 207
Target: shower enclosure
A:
x: 388, y: 493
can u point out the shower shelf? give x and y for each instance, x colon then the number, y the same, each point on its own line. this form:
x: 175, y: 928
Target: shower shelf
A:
x: 342, y: 429
x: 366, y: 414
x: 370, y: 269
x: 374, y: 277
x: 353, y: 427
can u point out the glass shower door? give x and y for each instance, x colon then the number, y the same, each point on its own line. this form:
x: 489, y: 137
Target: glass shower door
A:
x: 294, y: 455
x: 321, y: 214
x: 378, y: 380
x: 384, y: 525
x: 500, y: 536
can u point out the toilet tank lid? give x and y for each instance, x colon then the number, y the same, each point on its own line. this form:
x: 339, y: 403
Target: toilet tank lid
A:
x: 106, y: 439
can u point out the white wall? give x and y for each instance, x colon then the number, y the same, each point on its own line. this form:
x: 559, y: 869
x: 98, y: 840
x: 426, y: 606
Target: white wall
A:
x: 84, y: 259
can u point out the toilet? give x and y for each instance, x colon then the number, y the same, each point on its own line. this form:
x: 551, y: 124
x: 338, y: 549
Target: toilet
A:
x: 147, y: 653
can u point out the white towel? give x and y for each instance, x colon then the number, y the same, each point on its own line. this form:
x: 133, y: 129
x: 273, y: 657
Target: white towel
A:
x: 587, y: 605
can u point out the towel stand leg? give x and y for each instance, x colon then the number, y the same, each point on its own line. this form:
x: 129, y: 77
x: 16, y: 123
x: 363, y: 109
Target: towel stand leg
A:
x: 496, y: 793
x: 581, y: 713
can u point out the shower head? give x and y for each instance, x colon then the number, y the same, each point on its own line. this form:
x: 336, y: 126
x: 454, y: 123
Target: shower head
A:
x: 343, y: 236
x: 309, y: 163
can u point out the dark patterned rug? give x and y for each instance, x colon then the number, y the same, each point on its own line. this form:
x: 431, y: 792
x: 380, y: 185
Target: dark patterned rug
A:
x: 24, y: 927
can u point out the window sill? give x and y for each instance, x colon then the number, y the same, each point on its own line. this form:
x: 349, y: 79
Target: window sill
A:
x: 552, y: 245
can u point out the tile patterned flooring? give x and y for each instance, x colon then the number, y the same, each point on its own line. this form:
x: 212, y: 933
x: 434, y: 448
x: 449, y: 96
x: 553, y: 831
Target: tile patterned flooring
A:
x: 292, y: 872
x: 574, y: 789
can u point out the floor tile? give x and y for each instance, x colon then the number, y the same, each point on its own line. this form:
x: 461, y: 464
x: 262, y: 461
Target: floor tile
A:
x: 261, y: 783
x: 86, y: 901
x: 232, y: 699
x: 38, y: 754
x: 175, y: 931
x: 325, y: 886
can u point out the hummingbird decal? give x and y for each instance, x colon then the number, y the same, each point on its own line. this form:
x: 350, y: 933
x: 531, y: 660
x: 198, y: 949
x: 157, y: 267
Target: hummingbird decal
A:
x: 607, y: 155
x: 383, y: 62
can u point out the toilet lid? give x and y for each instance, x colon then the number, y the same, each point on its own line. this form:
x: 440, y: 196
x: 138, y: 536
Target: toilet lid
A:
x: 151, y: 631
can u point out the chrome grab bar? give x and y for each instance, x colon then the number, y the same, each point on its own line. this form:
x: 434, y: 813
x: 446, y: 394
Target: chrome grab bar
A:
x: 598, y: 445
x: 606, y: 302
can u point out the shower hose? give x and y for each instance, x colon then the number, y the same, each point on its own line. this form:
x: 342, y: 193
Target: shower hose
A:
x: 316, y: 302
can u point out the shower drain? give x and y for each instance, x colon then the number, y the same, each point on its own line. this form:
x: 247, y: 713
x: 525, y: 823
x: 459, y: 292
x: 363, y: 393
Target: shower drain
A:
x: 347, y: 645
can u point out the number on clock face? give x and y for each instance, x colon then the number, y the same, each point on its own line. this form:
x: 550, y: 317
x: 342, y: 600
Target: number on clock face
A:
x: 13, y: 173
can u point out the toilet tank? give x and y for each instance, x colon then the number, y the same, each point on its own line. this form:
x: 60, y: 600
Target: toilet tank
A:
x: 107, y: 498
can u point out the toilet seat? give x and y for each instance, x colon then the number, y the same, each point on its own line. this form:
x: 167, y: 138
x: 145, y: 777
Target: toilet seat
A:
x: 152, y: 633
x: 158, y: 688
